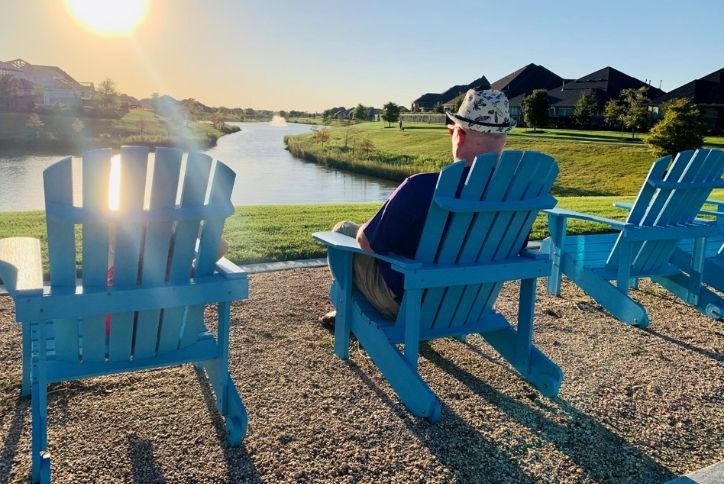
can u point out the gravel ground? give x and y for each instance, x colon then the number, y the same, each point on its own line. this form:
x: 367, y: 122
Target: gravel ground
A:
x: 635, y: 405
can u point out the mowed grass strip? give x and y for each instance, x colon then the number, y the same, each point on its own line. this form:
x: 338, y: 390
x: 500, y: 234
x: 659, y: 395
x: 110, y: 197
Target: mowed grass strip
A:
x: 267, y: 233
x: 592, y: 163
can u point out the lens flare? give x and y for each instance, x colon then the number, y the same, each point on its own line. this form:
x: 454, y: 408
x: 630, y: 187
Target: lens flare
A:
x: 108, y: 17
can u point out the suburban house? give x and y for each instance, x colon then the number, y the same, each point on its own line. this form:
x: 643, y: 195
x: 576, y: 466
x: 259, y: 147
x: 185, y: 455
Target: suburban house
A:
x: 16, y: 94
x: 517, y: 85
x: 56, y: 85
x: 707, y: 93
x: 605, y: 84
x: 449, y: 98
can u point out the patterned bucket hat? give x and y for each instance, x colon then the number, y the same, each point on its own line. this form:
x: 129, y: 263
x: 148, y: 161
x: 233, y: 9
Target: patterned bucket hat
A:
x: 484, y: 111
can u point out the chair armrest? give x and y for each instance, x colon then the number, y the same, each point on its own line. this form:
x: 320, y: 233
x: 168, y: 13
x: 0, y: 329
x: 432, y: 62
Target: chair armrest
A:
x: 560, y: 212
x: 21, y: 267
x: 229, y: 270
x: 338, y: 241
x: 623, y: 205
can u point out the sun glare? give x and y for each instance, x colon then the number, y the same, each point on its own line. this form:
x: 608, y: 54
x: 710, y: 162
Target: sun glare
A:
x: 114, y: 185
x: 108, y: 17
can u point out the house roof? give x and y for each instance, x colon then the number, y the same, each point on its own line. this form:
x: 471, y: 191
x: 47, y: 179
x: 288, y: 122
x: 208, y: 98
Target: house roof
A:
x: 527, y: 79
x: 605, y: 84
x: 62, y: 79
x: 705, y: 90
x: 431, y: 99
x: 8, y: 66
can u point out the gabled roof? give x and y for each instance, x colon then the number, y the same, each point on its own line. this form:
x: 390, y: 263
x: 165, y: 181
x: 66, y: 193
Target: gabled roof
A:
x: 7, y: 66
x: 62, y: 77
x: 432, y: 99
x: 605, y: 84
x: 612, y: 81
x: 706, y: 90
x: 527, y: 79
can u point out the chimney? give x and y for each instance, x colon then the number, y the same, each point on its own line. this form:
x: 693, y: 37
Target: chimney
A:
x: 563, y: 87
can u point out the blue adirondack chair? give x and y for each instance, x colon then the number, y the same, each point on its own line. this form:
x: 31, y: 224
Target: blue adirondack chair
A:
x: 710, y: 263
x: 663, y: 216
x: 152, y: 315
x: 469, y: 247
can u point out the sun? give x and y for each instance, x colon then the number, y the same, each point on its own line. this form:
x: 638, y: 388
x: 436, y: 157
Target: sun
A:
x: 108, y: 17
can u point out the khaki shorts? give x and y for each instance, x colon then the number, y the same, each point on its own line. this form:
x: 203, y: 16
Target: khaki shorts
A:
x: 367, y: 277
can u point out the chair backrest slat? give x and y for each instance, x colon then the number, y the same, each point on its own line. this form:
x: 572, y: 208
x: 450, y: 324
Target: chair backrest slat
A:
x: 58, y: 187
x: 126, y: 246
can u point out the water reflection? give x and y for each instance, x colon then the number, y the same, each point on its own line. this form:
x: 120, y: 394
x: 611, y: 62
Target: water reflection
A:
x: 265, y: 173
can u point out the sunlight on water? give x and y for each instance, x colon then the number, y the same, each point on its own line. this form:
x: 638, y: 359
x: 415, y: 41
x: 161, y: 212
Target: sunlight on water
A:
x: 278, y: 121
x: 114, y: 183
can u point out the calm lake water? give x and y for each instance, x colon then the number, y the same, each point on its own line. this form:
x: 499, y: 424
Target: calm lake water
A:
x: 265, y: 173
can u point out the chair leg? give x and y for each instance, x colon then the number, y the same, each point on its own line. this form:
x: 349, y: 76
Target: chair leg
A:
x: 228, y: 402
x: 403, y: 377
x: 707, y: 302
x: 616, y: 302
x: 40, y: 457
x: 533, y: 364
x: 27, y: 363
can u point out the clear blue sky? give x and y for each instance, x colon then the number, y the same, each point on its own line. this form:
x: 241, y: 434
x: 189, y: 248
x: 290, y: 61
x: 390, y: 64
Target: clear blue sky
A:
x: 314, y: 54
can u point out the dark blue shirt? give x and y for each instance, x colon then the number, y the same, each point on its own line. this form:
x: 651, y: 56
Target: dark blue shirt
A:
x: 397, y: 226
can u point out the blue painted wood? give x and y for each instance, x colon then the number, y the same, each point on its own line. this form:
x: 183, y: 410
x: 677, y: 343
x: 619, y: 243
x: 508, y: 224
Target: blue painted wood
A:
x: 126, y: 250
x: 157, y: 243
x: 195, y: 183
x: 662, y: 220
x: 64, y: 325
x: 469, y: 246
x: 58, y: 187
x: 96, y: 178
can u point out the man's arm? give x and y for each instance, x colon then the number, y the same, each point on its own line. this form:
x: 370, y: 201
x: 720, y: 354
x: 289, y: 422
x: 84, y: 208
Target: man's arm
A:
x: 362, y: 239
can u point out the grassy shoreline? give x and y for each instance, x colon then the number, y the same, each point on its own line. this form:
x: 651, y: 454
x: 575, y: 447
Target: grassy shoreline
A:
x: 68, y: 134
x: 591, y: 163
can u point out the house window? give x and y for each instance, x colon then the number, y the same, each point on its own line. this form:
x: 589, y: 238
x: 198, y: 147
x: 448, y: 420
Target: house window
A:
x: 514, y: 110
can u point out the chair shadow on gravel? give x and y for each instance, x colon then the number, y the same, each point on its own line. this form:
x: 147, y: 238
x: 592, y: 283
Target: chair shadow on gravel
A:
x: 239, y: 466
x: 14, y: 431
x: 144, y: 465
x: 604, y: 456
x: 460, y: 447
x: 687, y: 346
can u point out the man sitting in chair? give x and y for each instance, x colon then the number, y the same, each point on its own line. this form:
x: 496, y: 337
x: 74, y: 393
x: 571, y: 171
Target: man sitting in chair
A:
x: 480, y: 126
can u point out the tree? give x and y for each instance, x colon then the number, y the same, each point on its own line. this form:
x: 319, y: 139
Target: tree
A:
x: 390, y: 113
x: 365, y: 145
x: 78, y: 126
x: 360, y: 113
x: 218, y: 120
x: 680, y: 129
x: 535, y: 109
x: 612, y: 113
x: 585, y: 109
x: 326, y: 115
x: 635, y: 114
x: 107, y: 95
x: 439, y: 108
x: 320, y: 136
x: 35, y: 124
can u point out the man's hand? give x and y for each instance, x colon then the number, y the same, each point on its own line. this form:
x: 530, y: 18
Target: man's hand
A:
x: 362, y: 239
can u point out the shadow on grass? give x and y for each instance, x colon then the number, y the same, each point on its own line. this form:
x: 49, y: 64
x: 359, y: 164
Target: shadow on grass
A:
x: 580, y: 192
x: 239, y: 466
x: 603, y: 455
x: 458, y: 446
x: 14, y: 431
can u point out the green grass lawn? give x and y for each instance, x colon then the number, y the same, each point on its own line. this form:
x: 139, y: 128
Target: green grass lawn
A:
x: 592, y: 163
x: 283, y: 232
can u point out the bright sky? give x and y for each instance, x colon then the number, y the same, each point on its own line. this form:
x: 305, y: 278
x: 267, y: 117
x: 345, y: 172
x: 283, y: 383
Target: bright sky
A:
x: 315, y: 54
